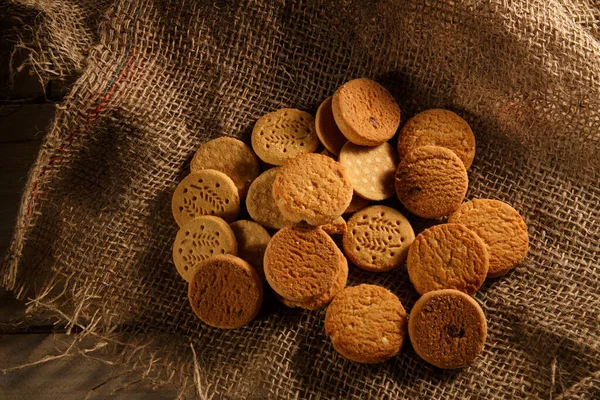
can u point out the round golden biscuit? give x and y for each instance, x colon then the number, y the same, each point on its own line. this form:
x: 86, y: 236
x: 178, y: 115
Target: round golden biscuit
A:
x: 377, y: 238
x: 431, y: 181
x: 284, y: 134
x: 230, y: 156
x: 370, y: 169
x: 366, y: 324
x: 225, y: 292
x: 437, y: 127
x: 501, y: 228
x: 330, y: 135
x: 301, y: 262
x: 252, y: 240
x: 312, y: 188
x: 447, y: 328
x: 448, y: 256
x: 206, y: 192
x: 357, y: 203
x: 261, y: 204
x: 365, y: 112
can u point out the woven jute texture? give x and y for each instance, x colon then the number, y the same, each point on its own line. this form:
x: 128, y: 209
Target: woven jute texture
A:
x: 157, y: 78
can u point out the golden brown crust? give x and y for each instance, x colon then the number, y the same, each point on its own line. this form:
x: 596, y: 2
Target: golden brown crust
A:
x: 437, y: 127
x: 252, y: 240
x: 337, y: 227
x: 225, y: 292
x: 261, y: 204
x: 448, y: 256
x: 366, y: 324
x: 431, y: 182
x: 447, y: 328
x: 328, y: 132
x: 357, y: 203
x: 501, y: 228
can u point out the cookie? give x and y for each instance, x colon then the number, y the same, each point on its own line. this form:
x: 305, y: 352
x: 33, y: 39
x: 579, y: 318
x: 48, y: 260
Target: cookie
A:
x: 337, y: 227
x: 328, y: 132
x: 312, y: 188
x: 357, y: 203
x: 370, y: 169
x: 225, y: 292
x: 301, y: 262
x: 437, y: 127
x: 448, y: 256
x: 500, y: 227
x: 206, y: 192
x: 377, y: 238
x: 447, y: 328
x: 283, y: 134
x: 261, y: 204
x: 366, y: 324
x: 230, y: 156
x: 365, y: 112
x: 252, y: 240
x: 431, y: 181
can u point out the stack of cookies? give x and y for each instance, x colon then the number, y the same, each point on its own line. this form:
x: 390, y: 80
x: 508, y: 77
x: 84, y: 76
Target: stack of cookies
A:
x: 310, y: 201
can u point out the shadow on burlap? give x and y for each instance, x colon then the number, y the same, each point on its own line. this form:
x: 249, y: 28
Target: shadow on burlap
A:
x: 157, y: 78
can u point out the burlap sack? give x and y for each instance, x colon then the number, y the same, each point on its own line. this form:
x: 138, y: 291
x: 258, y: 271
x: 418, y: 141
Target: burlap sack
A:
x: 157, y: 78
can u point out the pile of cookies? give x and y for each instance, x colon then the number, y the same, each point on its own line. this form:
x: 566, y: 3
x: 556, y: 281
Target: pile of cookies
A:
x: 300, y: 199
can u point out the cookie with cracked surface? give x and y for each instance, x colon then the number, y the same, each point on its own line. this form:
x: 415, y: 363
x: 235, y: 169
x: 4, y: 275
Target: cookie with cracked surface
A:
x: 431, y: 181
x: 337, y: 227
x: 301, y: 262
x: 312, y: 188
x: 206, y: 192
x: 225, y: 292
x: 447, y: 328
x: 365, y: 112
x: 501, y: 228
x: 252, y: 240
x: 328, y: 132
x: 370, y: 169
x: 261, y: 204
x: 448, y: 256
x: 438, y: 127
x: 366, y: 324
x: 284, y: 134
x: 357, y: 203
x: 377, y: 238
x: 232, y: 157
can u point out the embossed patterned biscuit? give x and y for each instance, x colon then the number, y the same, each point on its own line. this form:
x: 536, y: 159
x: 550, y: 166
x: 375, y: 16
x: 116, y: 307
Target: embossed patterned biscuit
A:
x: 206, y: 192
x: 225, y: 292
x: 357, y: 203
x: 447, y: 328
x: 377, y: 238
x: 252, y: 240
x: 312, y: 188
x: 500, y: 227
x: 437, y: 127
x: 301, y: 262
x: 431, y: 181
x: 366, y: 324
x: 370, y: 169
x: 337, y: 227
x: 199, y: 239
x: 261, y: 204
x: 328, y: 132
x: 283, y: 134
x: 230, y: 156
x: 448, y: 256
x: 365, y: 112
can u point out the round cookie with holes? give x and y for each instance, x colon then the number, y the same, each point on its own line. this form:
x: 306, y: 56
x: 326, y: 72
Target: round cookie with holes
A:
x: 225, y: 292
x: 431, y: 181
x: 377, y: 238
x: 230, y: 156
x: 328, y: 132
x: 366, y: 324
x: 448, y: 256
x: 199, y: 239
x: 370, y: 169
x: 501, y: 228
x: 365, y: 112
x: 206, y: 192
x: 283, y: 134
x: 261, y: 204
x: 437, y: 127
x: 447, y: 328
x: 312, y: 188
x: 252, y: 240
